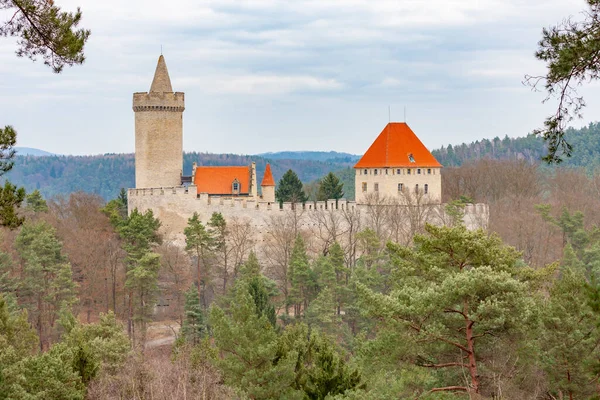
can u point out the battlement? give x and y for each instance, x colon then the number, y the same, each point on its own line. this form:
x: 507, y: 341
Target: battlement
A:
x: 159, y: 101
x: 204, y: 201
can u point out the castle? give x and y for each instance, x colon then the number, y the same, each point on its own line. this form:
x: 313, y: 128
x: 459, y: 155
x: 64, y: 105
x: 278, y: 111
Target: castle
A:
x: 396, y: 171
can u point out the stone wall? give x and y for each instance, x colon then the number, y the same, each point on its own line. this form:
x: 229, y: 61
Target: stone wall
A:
x: 174, y: 205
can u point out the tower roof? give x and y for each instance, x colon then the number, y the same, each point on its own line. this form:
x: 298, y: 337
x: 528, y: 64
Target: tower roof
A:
x: 161, y: 82
x: 268, y: 178
x: 397, y: 146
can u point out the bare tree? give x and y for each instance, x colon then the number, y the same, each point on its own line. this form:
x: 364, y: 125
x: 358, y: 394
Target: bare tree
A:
x: 281, y: 232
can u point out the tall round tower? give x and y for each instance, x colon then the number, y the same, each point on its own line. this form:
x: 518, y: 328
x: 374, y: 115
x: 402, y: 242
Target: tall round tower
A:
x: 158, y: 132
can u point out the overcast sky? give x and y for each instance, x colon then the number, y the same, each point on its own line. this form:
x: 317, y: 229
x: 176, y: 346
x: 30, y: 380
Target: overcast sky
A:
x: 266, y: 75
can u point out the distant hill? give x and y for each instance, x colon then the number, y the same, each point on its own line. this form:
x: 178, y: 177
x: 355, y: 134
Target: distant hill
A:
x: 30, y: 151
x: 107, y: 174
x: 311, y: 155
x: 585, y: 141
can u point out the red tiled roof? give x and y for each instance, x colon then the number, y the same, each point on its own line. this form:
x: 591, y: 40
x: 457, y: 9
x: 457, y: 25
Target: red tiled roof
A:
x: 268, y: 178
x: 393, y: 148
x: 219, y: 180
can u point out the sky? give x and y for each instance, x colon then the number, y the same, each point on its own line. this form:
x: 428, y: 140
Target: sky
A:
x: 267, y: 75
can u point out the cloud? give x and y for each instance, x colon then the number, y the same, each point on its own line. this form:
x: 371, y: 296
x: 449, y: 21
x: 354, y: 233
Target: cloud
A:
x: 313, y: 64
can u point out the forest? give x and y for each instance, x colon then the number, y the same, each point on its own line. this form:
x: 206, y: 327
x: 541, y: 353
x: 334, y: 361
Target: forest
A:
x: 96, y: 304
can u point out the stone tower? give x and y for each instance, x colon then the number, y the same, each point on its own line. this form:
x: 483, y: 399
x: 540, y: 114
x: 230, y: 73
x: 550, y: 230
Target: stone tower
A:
x: 158, y: 132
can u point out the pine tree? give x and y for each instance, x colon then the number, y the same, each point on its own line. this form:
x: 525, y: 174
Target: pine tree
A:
x: 289, y: 189
x: 330, y: 187
x: 142, y: 281
x: 194, y: 327
x: 468, y: 285
x: 44, y: 30
x: 11, y: 199
x: 321, y: 370
x: 249, y: 345
x: 302, y: 277
x: 199, y: 243
x: 47, y: 285
x: 569, y: 336
x: 36, y: 202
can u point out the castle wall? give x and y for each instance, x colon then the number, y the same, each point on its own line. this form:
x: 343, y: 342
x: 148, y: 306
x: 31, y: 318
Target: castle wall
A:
x: 388, y: 182
x: 173, y: 206
x: 158, y: 139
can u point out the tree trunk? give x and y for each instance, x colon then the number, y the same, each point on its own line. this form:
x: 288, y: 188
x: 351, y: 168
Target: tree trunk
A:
x: 471, y: 354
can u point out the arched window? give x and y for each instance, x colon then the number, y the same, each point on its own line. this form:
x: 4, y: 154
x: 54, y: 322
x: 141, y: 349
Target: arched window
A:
x: 375, y: 172
x: 417, y: 188
x: 400, y: 187
x: 366, y: 172
x: 426, y: 188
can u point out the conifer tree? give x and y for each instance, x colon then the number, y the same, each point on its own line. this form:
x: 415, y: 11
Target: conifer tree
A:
x: 330, y: 187
x: 36, y: 202
x: 142, y: 281
x: 217, y: 228
x: 249, y: 344
x: 289, y: 189
x: 44, y: 30
x: 320, y: 370
x: 570, y: 335
x: 302, y: 277
x: 570, y: 51
x: 47, y: 285
x: 11, y: 199
x: 139, y: 234
x: 199, y: 243
x: 194, y: 326
x: 470, y: 288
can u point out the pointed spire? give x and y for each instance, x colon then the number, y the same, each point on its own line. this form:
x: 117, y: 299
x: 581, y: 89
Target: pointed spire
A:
x: 161, y: 81
x: 268, y: 178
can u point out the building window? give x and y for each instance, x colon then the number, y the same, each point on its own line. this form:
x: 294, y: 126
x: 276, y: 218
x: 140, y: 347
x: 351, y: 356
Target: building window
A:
x: 366, y: 172
x: 400, y: 187
x: 417, y: 188
x: 428, y: 171
x: 411, y: 158
x: 386, y: 171
x: 375, y: 171
x: 235, y: 187
x: 419, y: 171
x: 364, y: 187
x: 408, y: 171
x: 398, y: 171
x: 426, y: 188
x: 376, y: 187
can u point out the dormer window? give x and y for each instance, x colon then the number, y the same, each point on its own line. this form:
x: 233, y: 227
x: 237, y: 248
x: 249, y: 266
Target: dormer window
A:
x: 236, y: 187
x: 411, y: 158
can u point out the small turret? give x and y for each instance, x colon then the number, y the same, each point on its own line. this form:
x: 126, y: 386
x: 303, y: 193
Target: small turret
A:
x: 268, y: 186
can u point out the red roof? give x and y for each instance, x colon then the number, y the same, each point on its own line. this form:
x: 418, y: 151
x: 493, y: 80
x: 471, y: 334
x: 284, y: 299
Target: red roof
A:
x: 219, y: 180
x: 394, y: 147
x: 268, y: 178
